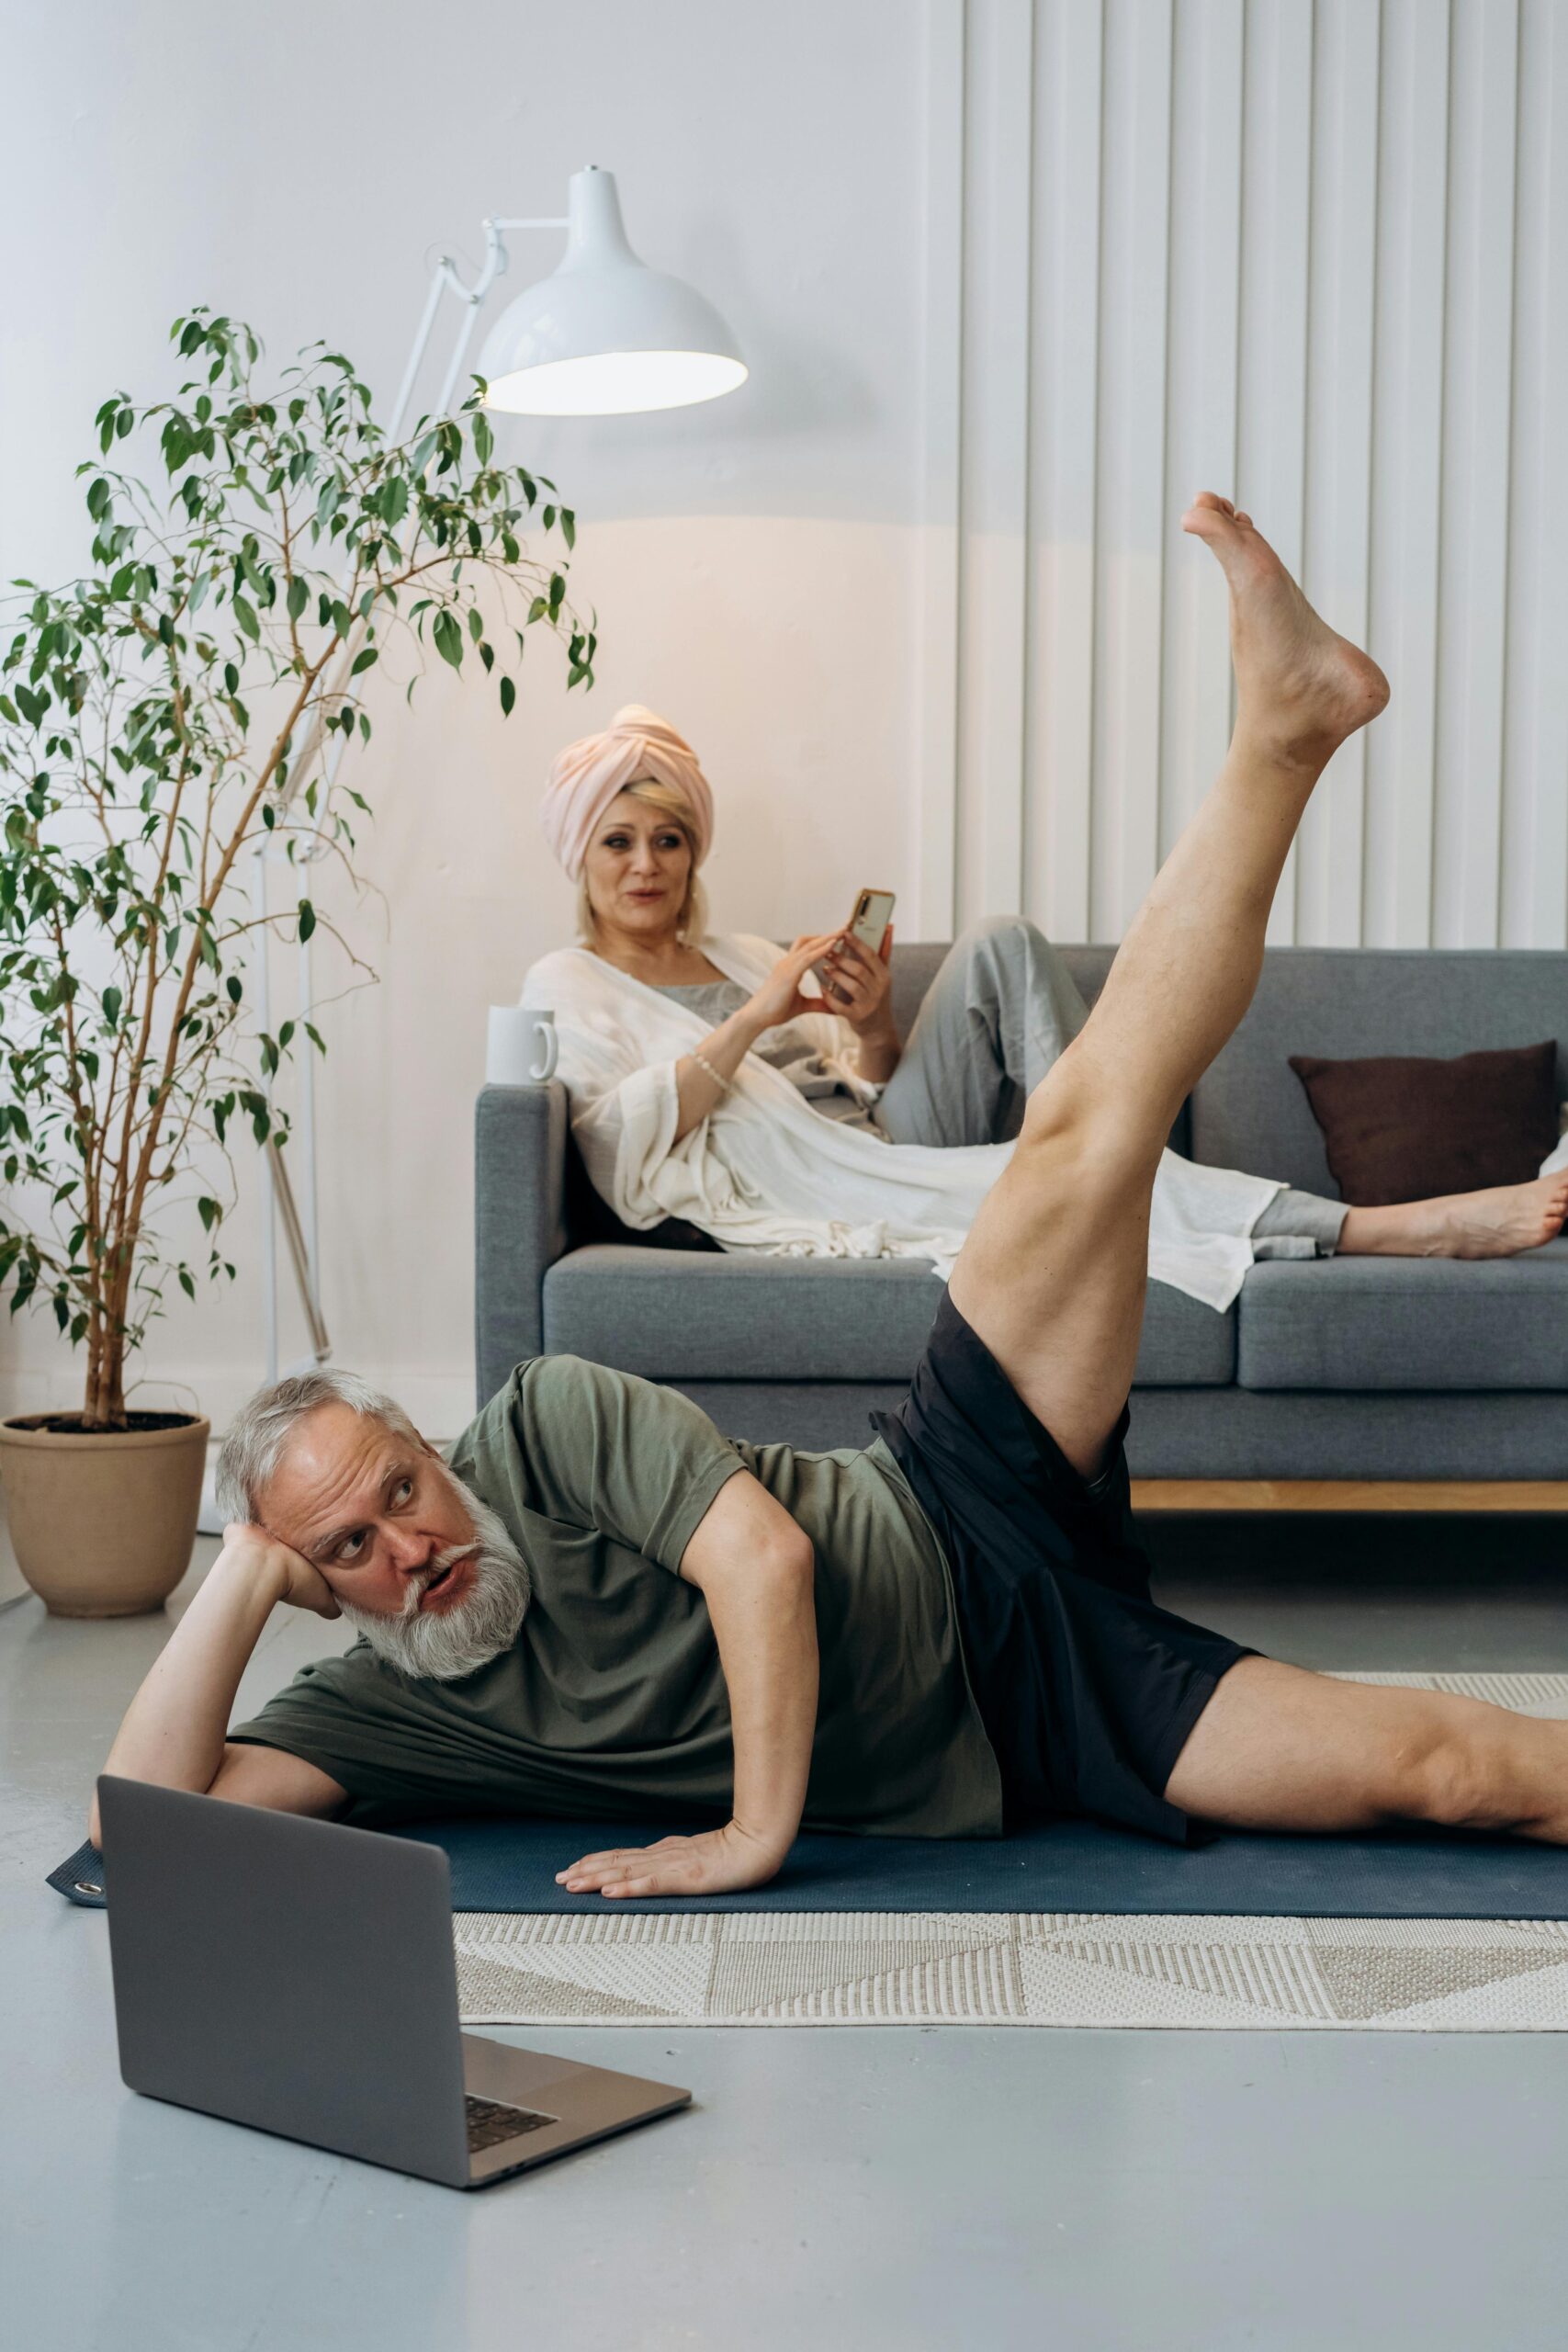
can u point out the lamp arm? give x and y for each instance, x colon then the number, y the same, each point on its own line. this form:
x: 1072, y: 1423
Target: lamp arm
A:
x: 445, y: 278
x: 279, y: 1203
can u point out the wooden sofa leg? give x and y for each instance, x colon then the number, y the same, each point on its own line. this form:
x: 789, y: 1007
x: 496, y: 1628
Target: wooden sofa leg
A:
x: 1173, y: 1495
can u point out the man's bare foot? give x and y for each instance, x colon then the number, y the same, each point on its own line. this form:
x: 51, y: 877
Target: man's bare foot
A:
x: 1301, y: 687
x: 1498, y: 1223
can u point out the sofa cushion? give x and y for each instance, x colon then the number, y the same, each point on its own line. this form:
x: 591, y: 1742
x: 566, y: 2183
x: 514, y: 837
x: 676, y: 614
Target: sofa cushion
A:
x: 1403, y: 1126
x: 674, y: 1317
x: 1406, y: 1323
x: 1249, y: 1109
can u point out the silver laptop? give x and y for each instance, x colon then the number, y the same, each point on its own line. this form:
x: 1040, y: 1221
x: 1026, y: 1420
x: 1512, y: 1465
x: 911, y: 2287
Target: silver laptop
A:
x: 299, y: 1976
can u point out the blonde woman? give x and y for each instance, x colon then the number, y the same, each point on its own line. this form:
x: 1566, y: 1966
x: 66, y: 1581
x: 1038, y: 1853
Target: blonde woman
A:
x: 713, y: 1078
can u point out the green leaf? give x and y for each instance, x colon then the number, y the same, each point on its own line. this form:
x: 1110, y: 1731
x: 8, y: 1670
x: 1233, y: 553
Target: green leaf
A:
x: 569, y: 527
x: 245, y: 614
x: 449, y: 637
x: 508, y: 697
x: 112, y: 1001
x: 306, y: 919
x: 362, y: 659
x: 212, y: 1212
x: 298, y: 598
x: 186, y: 1283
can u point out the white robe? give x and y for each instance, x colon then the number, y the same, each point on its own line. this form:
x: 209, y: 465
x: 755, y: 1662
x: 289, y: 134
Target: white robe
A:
x: 766, y: 1171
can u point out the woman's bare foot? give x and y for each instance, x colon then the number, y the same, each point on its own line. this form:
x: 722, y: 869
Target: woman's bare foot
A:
x: 1301, y: 687
x: 1494, y: 1224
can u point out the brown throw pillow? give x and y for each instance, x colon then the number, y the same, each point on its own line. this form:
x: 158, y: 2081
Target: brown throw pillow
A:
x: 1404, y: 1126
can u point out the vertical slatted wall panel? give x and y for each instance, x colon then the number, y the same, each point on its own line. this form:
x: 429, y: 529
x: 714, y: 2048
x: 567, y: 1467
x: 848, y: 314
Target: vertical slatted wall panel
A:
x: 1407, y: 434
x: 1535, y: 733
x: 1201, y: 407
x: 1316, y: 250
x: 1131, y: 492
x: 1473, y: 614
x: 999, y: 140
x: 935, y: 748
x: 1336, y: 549
x: 1276, y: 214
x: 1064, y: 362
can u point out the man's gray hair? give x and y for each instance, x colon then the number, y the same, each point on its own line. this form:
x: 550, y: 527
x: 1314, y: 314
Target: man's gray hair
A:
x: 254, y: 1447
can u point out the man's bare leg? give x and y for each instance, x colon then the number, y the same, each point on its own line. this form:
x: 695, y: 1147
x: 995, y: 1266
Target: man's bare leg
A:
x: 1054, y: 1272
x: 1053, y: 1275
x: 1277, y: 1747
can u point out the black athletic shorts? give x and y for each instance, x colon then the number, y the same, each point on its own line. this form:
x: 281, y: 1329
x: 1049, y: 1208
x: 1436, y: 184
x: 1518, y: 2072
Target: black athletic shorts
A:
x: 1087, y: 1689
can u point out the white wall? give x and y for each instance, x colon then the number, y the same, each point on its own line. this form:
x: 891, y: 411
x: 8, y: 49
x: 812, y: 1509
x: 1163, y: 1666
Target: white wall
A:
x: 754, y: 564
x: 1012, y: 282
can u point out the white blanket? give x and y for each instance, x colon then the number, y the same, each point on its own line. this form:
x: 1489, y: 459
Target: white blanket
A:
x: 766, y: 1171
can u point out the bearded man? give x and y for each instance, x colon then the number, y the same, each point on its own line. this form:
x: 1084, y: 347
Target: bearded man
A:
x: 603, y: 1607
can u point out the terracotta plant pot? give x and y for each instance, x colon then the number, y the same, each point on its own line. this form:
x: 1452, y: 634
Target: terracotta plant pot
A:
x: 102, y: 1526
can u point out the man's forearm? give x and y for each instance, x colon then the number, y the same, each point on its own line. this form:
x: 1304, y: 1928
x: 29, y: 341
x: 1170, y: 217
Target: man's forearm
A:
x: 766, y: 1629
x: 174, y: 1730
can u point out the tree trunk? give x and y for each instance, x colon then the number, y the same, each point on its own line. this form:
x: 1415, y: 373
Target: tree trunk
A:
x: 103, y: 1407
x: 92, y: 1403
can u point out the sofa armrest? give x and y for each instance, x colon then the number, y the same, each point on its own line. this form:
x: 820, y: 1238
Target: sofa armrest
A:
x: 520, y: 1148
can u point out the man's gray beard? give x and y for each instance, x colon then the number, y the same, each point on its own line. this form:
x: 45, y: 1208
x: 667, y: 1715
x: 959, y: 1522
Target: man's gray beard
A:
x: 444, y: 1645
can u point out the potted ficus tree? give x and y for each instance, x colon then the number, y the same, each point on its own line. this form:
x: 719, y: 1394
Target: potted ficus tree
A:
x: 191, y: 697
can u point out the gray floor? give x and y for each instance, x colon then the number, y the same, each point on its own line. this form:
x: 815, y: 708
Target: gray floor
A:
x: 847, y: 2188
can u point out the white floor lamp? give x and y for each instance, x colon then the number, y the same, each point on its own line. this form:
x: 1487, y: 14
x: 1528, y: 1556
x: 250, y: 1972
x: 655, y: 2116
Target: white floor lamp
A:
x: 602, y: 335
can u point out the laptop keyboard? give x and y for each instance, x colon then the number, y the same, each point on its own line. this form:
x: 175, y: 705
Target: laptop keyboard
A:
x: 490, y: 2122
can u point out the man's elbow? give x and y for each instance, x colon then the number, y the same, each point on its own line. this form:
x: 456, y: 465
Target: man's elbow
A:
x: 790, y: 1562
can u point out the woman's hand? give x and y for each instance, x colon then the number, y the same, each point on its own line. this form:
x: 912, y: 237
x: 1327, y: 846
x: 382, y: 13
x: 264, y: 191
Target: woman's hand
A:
x: 716, y: 1861
x: 780, y: 999
x: 857, y: 984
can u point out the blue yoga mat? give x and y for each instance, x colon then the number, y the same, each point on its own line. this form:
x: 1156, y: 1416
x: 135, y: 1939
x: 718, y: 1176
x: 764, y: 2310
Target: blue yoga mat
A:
x: 1061, y: 1866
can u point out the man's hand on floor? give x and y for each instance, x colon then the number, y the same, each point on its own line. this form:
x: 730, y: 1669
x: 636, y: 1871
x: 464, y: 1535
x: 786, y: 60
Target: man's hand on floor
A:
x: 716, y: 1861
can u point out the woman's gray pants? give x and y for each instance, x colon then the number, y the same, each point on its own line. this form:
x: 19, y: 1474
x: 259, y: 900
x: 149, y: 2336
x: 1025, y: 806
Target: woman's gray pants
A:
x: 999, y: 1012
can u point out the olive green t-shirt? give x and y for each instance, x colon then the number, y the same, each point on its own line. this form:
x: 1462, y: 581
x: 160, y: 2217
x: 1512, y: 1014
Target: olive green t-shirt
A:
x: 612, y: 1702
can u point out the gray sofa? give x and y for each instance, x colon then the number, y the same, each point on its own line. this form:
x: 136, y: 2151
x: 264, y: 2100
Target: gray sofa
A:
x: 1359, y: 1369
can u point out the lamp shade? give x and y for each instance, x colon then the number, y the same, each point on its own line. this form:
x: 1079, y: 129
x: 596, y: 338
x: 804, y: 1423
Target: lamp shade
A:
x: 605, y: 335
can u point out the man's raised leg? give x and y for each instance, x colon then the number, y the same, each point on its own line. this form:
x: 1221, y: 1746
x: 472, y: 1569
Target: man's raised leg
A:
x: 1053, y: 1275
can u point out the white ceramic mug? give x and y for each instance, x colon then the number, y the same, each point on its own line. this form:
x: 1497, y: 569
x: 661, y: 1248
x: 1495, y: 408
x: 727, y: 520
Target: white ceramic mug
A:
x: 521, y: 1045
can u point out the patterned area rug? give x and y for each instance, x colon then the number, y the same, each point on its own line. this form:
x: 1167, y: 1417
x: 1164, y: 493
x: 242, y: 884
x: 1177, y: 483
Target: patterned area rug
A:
x: 1031, y: 1968
x: 1014, y: 1968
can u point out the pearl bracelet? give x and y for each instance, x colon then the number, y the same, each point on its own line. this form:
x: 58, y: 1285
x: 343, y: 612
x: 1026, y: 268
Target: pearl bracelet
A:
x: 717, y: 1077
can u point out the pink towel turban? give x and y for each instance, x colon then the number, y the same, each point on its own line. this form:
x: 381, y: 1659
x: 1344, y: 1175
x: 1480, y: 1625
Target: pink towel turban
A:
x: 637, y: 747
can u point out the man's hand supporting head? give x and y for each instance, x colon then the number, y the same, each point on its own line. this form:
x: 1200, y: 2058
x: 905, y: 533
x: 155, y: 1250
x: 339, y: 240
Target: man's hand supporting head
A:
x: 173, y: 1732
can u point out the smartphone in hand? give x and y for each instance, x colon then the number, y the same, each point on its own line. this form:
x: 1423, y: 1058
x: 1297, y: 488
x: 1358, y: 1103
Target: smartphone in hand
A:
x: 874, y: 912
x: 868, y: 926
